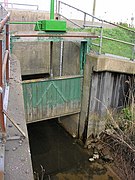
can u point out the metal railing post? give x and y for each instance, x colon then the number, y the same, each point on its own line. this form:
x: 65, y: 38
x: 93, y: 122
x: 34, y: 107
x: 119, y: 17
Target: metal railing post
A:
x: 133, y: 52
x: 101, y: 39
x: 59, y: 9
x: 84, y: 22
x: 56, y: 7
x: 2, y: 124
x: 61, y: 57
x: 7, y: 48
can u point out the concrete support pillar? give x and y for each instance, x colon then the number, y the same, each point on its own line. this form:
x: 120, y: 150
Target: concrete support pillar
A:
x: 70, y: 124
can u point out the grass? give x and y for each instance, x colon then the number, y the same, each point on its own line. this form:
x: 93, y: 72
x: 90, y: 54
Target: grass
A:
x: 113, y: 47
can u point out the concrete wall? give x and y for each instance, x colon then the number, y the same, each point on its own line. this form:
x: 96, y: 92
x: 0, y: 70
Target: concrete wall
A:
x: 26, y: 16
x: 105, y: 87
x: 71, y: 124
x: 34, y: 57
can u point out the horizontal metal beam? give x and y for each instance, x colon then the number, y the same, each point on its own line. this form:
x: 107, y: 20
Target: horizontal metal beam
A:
x: 57, y: 116
x: 55, y: 79
x: 94, y: 44
x: 18, y: 4
x: 117, y: 40
x: 71, y: 35
x: 92, y: 26
x: 22, y: 22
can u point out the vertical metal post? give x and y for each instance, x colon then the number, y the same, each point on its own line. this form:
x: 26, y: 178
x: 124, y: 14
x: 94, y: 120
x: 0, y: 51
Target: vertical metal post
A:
x: 83, y: 52
x: 84, y: 23
x: 51, y: 58
x: 101, y: 39
x: 2, y: 124
x: 52, y: 10
x: 7, y: 48
x: 61, y: 57
x: 94, y: 8
x: 58, y: 9
x: 133, y: 49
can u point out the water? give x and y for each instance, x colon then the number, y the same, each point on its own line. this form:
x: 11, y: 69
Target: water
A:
x: 61, y: 156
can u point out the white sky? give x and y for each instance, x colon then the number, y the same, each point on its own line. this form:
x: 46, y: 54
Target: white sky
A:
x: 111, y: 10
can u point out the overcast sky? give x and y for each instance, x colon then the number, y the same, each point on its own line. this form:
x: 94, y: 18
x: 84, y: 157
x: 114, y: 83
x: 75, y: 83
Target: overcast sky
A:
x: 113, y: 10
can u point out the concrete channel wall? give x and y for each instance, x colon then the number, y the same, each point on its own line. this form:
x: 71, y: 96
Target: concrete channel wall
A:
x: 36, y: 59
x: 105, y: 88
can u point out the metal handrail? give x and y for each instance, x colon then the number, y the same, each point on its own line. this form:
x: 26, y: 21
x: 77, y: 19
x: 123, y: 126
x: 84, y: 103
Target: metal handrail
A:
x: 94, y: 26
x: 71, y: 21
x: 60, y: 2
x: 101, y: 20
x: 5, y: 63
x: 4, y: 67
x: 117, y: 40
x: 18, y: 4
x: 4, y: 21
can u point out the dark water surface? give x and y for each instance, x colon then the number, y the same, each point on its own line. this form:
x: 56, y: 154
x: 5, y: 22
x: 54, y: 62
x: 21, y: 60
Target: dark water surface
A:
x: 61, y: 156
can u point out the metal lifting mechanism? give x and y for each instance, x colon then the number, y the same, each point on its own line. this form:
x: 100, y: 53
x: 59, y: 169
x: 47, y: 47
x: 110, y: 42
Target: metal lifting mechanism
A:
x: 51, y: 25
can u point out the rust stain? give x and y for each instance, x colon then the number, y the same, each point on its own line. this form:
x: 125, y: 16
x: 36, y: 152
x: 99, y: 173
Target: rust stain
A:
x: 1, y: 175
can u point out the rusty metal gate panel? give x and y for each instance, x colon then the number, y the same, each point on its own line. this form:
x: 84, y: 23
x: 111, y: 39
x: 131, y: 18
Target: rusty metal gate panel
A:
x: 46, y: 99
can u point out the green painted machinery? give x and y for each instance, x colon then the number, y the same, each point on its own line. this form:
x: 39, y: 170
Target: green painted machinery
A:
x: 51, y: 25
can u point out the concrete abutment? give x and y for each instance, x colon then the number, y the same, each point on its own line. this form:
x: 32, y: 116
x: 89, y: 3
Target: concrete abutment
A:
x: 105, y: 88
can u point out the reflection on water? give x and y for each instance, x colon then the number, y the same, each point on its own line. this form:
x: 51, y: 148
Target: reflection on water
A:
x: 61, y: 157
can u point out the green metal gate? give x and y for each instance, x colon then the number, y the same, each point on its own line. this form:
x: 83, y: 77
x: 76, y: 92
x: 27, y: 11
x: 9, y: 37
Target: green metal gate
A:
x: 46, y: 99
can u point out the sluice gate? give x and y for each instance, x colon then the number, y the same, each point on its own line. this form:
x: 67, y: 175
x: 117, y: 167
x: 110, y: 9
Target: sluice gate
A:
x: 51, y: 98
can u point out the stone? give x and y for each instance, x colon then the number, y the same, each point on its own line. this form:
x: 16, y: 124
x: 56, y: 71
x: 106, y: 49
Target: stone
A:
x: 91, y: 159
x: 95, y: 156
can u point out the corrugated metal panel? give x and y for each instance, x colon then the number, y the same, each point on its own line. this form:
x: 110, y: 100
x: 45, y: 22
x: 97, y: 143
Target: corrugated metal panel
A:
x: 46, y: 99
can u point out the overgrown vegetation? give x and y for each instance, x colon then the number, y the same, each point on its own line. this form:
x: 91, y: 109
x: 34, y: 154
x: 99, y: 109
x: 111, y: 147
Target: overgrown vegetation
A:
x: 117, y: 48
x: 119, y: 137
x: 113, y: 47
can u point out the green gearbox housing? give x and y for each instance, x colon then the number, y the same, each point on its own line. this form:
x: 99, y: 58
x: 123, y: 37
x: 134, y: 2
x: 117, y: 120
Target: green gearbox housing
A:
x: 51, y: 25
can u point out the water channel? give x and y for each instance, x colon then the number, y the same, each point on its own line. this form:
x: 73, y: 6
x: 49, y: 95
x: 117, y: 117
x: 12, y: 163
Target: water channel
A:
x: 53, y: 149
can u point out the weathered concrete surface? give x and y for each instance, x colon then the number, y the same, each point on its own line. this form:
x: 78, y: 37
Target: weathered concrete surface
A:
x: 17, y: 156
x: 33, y: 57
x: 70, y: 124
x: 26, y: 16
x: 70, y: 58
x: 111, y: 64
x: 105, y: 87
x: 33, y: 16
